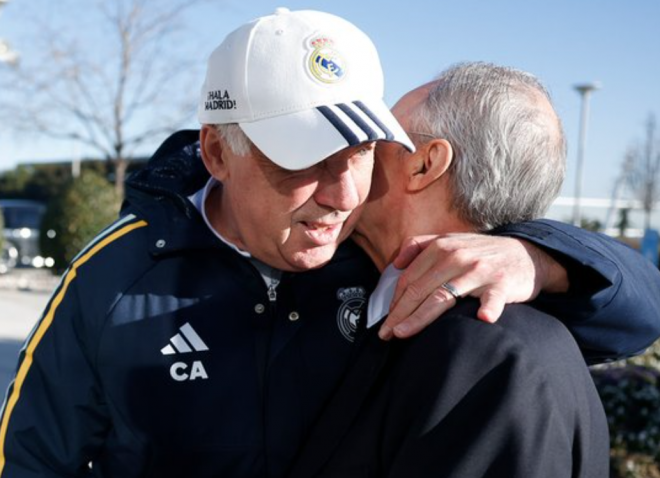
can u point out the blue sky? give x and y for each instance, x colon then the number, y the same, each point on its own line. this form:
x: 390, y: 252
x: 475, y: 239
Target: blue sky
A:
x: 563, y: 42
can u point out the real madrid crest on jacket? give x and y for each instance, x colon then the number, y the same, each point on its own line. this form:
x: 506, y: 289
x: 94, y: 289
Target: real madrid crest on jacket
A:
x: 353, y: 305
x: 190, y: 369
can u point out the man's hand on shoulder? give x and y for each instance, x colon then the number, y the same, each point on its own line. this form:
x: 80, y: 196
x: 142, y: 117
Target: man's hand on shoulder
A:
x: 497, y: 270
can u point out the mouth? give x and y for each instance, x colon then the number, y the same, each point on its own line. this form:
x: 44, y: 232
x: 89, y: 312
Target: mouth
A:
x: 322, y: 234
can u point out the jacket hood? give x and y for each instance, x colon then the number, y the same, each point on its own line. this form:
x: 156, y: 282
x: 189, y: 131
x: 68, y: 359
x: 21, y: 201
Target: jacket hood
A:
x: 175, y: 171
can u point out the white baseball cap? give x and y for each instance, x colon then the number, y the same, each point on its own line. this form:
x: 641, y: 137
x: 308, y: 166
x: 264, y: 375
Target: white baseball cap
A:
x: 302, y: 85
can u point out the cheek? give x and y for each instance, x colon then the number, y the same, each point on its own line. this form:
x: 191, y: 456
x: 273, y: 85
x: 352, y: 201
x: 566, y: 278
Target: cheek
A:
x: 363, y: 179
x: 277, y: 210
x: 300, y: 196
x: 294, y: 198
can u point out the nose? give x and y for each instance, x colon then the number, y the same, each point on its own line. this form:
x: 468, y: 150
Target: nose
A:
x: 338, y: 188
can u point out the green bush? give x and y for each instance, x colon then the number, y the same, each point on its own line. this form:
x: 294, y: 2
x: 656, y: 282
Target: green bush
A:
x: 630, y: 392
x: 84, y: 207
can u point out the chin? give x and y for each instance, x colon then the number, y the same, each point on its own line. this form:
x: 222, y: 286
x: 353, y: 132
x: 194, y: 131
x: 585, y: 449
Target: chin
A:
x: 313, y: 258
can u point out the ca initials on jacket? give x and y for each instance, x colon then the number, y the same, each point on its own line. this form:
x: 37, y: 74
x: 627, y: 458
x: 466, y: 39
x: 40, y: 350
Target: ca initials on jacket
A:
x: 186, y: 341
x: 179, y: 371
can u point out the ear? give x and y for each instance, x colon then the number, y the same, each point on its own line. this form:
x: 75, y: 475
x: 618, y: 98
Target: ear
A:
x: 429, y: 163
x: 211, y: 147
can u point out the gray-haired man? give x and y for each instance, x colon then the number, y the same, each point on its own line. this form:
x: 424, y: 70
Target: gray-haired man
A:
x: 464, y: 399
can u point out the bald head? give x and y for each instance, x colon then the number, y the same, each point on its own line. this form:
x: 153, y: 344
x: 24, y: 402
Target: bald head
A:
x: 509, y: 148
x: 409, y: 105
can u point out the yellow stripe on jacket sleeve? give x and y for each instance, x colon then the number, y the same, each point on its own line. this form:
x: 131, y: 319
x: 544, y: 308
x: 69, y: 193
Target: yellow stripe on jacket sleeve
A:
x: 45, y: 324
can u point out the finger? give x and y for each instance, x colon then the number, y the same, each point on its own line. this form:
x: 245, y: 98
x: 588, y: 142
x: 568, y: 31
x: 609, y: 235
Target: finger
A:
x: 411, y: 299
x: 385, y: 332
x: 425, y: 274
x: 411, y: 248
x: 492, y: 305
x: 443, y: 258
x: 409, y: 283
x: 433, y: 307
x: 419, y: 291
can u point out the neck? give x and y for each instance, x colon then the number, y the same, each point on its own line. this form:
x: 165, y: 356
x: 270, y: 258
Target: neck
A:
x: 382, y: 239
x: 219, y: 216
x: 381, y: 256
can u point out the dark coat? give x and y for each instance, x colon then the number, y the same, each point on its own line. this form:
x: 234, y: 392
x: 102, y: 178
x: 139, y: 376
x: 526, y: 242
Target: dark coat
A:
x: 464, y: 399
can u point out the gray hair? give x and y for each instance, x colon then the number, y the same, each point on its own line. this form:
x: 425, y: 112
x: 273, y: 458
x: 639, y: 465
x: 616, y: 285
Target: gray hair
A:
x: 509, y: 150
x: 235, y: 138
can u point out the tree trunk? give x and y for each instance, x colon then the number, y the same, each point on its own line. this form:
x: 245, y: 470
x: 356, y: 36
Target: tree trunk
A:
x: 121, y: 165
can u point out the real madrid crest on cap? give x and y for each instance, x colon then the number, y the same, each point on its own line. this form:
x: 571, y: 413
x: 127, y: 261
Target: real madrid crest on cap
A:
x: 353, y: 303
x: 325, y: 63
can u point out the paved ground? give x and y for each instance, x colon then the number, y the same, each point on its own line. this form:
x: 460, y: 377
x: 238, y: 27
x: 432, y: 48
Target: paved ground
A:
x: 23, y: 297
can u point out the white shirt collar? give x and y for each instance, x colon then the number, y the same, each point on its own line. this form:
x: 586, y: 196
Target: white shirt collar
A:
x: 199, y: 200
x: 381, y: 298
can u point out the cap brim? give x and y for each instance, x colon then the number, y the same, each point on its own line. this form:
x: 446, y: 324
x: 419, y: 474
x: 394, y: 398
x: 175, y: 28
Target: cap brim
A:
x: 299, y: 140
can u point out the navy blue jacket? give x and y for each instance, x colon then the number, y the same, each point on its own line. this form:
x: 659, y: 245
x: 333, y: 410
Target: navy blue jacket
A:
x: 160, y: 353
x: 622, y: 316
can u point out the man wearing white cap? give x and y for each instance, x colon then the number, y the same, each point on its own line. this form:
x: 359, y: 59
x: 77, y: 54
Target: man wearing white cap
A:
x: 199, y: 336
x: 309, y: 76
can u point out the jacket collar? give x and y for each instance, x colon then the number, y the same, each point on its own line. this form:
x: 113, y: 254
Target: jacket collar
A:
x: 159, y: 193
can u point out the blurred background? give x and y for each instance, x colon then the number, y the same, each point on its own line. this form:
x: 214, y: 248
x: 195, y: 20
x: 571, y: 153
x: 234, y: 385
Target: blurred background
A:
x: 89, y: 88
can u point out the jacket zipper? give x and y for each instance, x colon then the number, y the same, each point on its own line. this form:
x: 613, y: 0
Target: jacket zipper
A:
x: 272, y: 292
x: 272, y: 299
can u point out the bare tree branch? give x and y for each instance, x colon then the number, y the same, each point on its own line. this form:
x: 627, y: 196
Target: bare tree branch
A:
x: 111, y: 86
x: 643, y: 166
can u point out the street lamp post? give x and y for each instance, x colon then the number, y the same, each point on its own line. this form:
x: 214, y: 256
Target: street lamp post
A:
x: 585, y: 91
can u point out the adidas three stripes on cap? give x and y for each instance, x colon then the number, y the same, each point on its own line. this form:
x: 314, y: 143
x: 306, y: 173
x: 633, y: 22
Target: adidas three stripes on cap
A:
x: 302, y: 86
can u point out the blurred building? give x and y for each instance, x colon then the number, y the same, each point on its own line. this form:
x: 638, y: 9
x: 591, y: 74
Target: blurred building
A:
x: 607, y: 213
